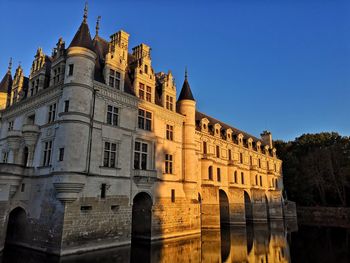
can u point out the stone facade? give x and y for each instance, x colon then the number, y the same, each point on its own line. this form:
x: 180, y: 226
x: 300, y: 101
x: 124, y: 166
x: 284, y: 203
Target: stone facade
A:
x: 94, y: 144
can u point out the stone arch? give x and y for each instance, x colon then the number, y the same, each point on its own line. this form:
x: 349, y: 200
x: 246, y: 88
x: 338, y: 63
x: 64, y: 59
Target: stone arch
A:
x: 141, y: 216
x: 224, y: 208
x: 248, y: 207
x: 16, y: 226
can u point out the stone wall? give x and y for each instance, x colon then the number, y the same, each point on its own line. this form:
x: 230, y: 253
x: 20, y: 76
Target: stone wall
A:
x: 96, y: 222
x: 177, y: 218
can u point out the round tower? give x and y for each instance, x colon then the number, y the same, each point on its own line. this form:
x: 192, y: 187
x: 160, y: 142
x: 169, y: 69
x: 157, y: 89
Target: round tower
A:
x: 77, y: 101
x: 186, y: 105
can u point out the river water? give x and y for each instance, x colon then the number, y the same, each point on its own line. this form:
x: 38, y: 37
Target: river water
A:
x: 258, y: 243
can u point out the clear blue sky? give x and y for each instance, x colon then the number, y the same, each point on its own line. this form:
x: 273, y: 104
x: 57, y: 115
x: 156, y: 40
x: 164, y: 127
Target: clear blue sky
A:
x: 280, y: 65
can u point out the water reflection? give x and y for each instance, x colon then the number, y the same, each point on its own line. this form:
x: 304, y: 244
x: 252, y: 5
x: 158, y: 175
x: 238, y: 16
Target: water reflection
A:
x: 255, y: 243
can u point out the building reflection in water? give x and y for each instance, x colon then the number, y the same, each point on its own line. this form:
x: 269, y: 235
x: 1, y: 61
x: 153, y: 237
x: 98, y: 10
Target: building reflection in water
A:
x: 260, y: 243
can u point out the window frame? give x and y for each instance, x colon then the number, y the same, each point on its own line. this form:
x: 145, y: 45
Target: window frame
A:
x: 47, y: 153
x: 169, y: 132
x: 112, y: 115
x: 144, y: 122
x: 142, y: 160
x: 109, y: 151
x: 169, y: 163
x: 52, y: 108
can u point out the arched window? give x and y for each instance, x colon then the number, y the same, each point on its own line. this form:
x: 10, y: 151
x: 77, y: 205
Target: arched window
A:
x: 210, y: 173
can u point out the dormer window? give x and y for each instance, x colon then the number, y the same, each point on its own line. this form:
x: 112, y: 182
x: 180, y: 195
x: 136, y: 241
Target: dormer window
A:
x: 114, y: 79
x: 204, y: 124
x: 217, y: 129
x: 250, y: 143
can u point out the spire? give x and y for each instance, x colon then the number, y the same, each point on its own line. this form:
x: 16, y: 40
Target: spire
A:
x: 98, y: 25
x: 10, y: 65
x: 85, y: 13
x: 83, y: 38
x: 186, y: 93
x: 6, y: 82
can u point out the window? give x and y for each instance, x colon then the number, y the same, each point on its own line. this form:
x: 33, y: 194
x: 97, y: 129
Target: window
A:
x: 146, y: 69
x: 61, y: 154
x: 259, y: 163
x: 47, y: 153
x: 261, y: 183
x: 242, y: 178
x: 169, y: 132
x: 218, y: 174
x: 145, y: 120
x: 103, y: 191
x: 240, y: 157
x: 210, y: 172
x: 149, y: 94
x: 256, y: 179
x: 251, y: 160
x: 4, y: 157
x: 114, y: 79
x: 229, y: 155
x: 169, y: 102
x: 205, y: 147
x: 168, y: 164
x: 140, y: 155
x: 275, y: 168
x: 110, y: 153
x: 10, y: 128
x: 235, y: 180
x: 112, y: 115
x: 142, y: 91
x: 70, y: 70
x: 52, y: 113
x: 66, y: 105
x: 23, y: 186
x: 173, y: 195
x: 217, y: 151
x: 56, y: 75
x: 276, y: 183
x: 36, y: 86
x: 31, y: 119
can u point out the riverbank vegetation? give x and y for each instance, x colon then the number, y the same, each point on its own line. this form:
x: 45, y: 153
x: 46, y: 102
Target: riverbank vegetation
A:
x: 316, y: 169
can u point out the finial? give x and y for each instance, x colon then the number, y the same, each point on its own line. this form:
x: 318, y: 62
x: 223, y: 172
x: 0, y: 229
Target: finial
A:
x: 98, y: 25
x: 85, y: 12
x: 10, y: 65
x: 186, y: 73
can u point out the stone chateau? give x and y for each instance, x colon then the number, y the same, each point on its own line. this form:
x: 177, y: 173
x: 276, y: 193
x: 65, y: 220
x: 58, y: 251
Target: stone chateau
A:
x: 96, y: 149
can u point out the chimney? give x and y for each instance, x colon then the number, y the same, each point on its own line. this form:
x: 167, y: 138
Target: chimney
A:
x: 266, y: 137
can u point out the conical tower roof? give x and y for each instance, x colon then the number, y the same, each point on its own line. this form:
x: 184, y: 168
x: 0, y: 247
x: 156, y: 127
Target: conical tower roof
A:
x: 186, y: 93
x: 6, y: 82
x: 83, y: 38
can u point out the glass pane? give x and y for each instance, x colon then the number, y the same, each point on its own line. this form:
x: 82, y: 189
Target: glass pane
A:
x: 137, y: 161
x: 137, y: 146
x: 141, y: 123
x: 107, y: 145
x: 109, y: 118
x: 144, y: 162
x: 148, y: 115
x: 114, y: 147
x: 144, y: 147
x: 148, y: 125
x: 106, y: 158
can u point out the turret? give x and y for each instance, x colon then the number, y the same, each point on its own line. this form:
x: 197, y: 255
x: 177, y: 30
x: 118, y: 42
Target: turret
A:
x: 77, y: 100
x: 186, y: 105
x: 5, y: 87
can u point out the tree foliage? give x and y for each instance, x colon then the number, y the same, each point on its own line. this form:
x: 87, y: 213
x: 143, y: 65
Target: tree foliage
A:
x: 316, y: 169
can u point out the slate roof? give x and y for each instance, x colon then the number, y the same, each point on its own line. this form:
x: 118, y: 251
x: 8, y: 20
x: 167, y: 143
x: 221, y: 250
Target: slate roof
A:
x: 186, y: 93
x: 6, y: 83
x: 82, y: 38
x: 224, y: 127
